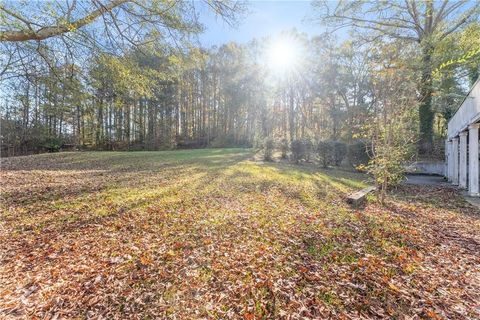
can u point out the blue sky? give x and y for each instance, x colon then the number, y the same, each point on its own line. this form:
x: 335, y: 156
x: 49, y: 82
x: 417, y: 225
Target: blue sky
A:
x: 264, y: 18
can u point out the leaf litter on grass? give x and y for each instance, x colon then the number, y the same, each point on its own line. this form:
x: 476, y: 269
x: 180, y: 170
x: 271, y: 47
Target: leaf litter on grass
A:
x: 210, y: 234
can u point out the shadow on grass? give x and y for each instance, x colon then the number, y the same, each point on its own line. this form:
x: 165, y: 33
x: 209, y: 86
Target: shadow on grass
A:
x: 311, y: 249
x: 97, y: 172
x: 441, y: 197
x: 117, y: 161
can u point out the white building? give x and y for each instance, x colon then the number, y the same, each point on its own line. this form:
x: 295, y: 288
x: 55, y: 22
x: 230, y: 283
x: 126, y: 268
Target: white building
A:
x: 462, y: 144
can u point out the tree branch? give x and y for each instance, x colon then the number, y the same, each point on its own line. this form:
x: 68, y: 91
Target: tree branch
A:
x: 467, y: 15
x: 51, y: 31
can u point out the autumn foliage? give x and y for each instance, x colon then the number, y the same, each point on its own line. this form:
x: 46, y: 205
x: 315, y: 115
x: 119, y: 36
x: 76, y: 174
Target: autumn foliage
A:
x: 212, y: 234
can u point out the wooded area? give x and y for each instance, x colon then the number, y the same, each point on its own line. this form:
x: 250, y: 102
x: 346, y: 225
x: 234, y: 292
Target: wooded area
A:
x: 160, y: 90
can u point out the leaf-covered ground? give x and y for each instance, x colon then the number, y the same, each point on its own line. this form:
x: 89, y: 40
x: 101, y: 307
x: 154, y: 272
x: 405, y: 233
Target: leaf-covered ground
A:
x: 211, y: 234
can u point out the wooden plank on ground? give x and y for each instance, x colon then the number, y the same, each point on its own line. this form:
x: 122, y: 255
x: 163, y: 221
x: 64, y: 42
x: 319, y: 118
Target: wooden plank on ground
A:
x: 358, y: 198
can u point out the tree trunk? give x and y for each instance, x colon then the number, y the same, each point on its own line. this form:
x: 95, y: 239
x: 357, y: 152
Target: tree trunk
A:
x: 425, y: 109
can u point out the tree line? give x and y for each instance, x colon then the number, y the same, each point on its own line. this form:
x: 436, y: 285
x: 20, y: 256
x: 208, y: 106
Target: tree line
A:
x: 157, y: 94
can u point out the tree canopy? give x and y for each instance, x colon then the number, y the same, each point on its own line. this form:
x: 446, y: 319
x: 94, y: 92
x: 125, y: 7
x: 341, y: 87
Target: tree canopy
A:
x: 135, y: 78
x: 426, y: 23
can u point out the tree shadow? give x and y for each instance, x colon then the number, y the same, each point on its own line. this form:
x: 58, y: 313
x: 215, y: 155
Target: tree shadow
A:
x: 56, y: 180
x: 122, y: 160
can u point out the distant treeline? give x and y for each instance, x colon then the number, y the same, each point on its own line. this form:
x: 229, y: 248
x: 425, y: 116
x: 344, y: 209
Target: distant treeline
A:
x: 156, y: 97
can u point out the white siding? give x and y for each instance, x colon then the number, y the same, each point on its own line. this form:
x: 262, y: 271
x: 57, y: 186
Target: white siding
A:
x: 469, y: 112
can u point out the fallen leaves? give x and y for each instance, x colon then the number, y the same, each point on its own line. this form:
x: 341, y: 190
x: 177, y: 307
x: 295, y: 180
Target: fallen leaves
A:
x: 89, y: 235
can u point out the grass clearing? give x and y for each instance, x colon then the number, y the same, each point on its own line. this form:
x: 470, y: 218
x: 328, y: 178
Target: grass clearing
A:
x: 211, y: 233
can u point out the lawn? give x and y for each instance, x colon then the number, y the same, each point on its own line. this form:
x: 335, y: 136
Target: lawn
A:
x: 213, y: 234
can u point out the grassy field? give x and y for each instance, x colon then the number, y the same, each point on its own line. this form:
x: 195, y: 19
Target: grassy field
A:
x: 212, y: 234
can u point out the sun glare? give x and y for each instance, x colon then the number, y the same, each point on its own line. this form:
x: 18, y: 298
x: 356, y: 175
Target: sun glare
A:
x: 283, y: 55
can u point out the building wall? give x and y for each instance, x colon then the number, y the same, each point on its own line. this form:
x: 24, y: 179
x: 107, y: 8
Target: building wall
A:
x: 468, y: 113
x: 427, y: 167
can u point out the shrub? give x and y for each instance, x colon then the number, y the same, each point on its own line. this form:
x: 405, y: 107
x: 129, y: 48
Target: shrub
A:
x: 308, y: 148
x: 357, y: 154
x: 268, y: 147
x: 298, y: 150
x: 223, y: 141
x: 53, y: 144
x: 387, y: 164
x: 325, y: 152
x: 284, y: 148
x: 339, y: 152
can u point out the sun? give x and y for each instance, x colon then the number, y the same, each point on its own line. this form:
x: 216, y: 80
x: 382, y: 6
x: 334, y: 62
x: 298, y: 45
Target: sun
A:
x: 283, y: 55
